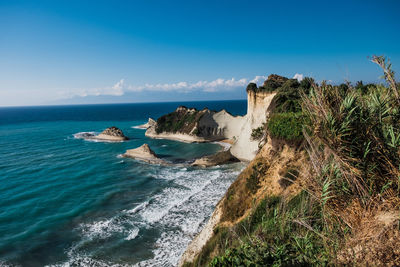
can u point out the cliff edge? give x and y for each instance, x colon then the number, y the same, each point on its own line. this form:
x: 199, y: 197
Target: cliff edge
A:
x: 192, y: 125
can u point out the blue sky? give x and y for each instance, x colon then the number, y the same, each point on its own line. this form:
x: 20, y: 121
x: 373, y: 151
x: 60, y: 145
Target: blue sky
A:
x: 60, y: 52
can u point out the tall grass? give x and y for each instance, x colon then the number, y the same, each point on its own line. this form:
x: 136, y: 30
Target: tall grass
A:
x: 354, y: 139
x: 353, y: 142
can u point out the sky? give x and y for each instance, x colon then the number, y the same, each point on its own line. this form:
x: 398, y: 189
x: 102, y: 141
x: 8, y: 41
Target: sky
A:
x: 80, y: 52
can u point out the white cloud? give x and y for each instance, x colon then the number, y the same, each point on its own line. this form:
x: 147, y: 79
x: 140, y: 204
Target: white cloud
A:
x: 218, y: 85
x: 298, y: 76
x: 259, y: 80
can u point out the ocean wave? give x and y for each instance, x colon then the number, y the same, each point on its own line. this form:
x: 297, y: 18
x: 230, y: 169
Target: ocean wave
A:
x: 182, y: 211
x: 138, y: 127
x: 84, y: 135
x: 91, y: 137
x: 133, y: 234
x: 86, y: 261
x: 177, y: 213
x: 101, y: 229
x: 139, y: 207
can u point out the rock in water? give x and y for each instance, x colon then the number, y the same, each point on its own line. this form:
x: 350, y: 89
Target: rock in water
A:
x: 223, y: 157
x: 147, y: 125
x: 112, y: 134
x: 144, y: 153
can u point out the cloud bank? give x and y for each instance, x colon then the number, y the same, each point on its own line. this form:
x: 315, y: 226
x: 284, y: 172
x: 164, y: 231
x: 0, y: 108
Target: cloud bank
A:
x: 218, y: 85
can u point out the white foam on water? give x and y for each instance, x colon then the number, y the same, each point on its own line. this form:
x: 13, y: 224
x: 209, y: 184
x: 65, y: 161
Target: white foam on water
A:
x: 101, y: 229
x: 84, y: 135
x: 133, y: 234
x: 91, y: 137
x: 178, y: 212
x: 182, y: 212
x: 138, y: 208
x: 85, y: 261
x: 139, y: 127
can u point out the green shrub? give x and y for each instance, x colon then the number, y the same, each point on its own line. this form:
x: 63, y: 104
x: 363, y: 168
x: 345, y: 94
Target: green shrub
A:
x: 288, y: 97
x: 257, y: 133
x: 252, y: 182
x: 287, y: 126
x: 270, y: 236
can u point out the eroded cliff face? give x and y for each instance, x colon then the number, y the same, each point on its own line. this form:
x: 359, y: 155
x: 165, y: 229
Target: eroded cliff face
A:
x: 258, y: 103
x: 191, y: 125
x: 265, y: 175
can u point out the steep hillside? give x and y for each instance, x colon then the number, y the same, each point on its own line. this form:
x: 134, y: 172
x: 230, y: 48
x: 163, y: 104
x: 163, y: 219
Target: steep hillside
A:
x: 323, y: 190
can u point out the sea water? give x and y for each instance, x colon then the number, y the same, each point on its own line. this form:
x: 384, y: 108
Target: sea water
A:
x: 67, y: 201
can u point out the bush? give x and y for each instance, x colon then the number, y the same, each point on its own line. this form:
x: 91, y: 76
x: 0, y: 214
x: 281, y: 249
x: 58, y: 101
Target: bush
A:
x: 287, y: 126
x: 257, y: 134
x: 288, y: 97
x: 269, y: 236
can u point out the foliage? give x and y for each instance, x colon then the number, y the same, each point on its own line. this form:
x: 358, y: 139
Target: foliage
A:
x: 258, y: 133
x: 353, y: 144
x: 253, y: 180
x: 288, y: 97
x: 176, y: 121
x: 270, y: 85
x: 287, y: 126
x: 271, y: 236
x: 360, y: 137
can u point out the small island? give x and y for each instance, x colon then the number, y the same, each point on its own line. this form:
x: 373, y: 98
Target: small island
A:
x: 111, y: 134
x: 144, y: 153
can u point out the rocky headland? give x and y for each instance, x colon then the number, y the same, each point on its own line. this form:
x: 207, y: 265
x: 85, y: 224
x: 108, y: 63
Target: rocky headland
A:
x: 310, y: 197
x: 192, y: 125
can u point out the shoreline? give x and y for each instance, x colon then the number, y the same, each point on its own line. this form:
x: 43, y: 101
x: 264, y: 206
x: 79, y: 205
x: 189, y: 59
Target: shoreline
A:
x: 182, y: 138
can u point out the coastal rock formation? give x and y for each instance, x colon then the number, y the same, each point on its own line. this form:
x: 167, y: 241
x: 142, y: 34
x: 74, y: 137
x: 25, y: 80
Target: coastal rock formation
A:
x: 144, y: 153
x: 192, y: 125
x: 147, y: 125
x: 258, y: 104
x: 112, y: 134
x: 223, y: 157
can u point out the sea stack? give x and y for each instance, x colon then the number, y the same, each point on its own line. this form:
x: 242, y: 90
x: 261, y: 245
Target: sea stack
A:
x: 112, y: 134
x: 144, y: 153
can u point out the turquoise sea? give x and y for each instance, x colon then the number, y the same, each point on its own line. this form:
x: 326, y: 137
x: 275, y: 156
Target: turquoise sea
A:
x: 65, y: 201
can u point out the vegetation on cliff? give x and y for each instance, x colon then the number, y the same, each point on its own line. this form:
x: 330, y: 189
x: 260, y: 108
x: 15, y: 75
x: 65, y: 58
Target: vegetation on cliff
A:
x: 332, y: 198
x: 182, y: 120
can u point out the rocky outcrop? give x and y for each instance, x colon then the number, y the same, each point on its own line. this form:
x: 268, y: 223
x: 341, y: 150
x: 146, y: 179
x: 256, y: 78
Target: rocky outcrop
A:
x: 112, y: 134
x: 144, y: 153
x: 192, y: 125
x: 147, y: 125
x: 223, y: 157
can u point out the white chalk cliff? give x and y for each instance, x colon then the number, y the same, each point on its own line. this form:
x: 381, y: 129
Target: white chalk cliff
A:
x: 207, y: 125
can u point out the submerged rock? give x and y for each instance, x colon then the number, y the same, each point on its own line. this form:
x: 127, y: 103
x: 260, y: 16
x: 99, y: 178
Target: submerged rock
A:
x: 223, y: 157
x: 144, y: 153
x: 112, y: 134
